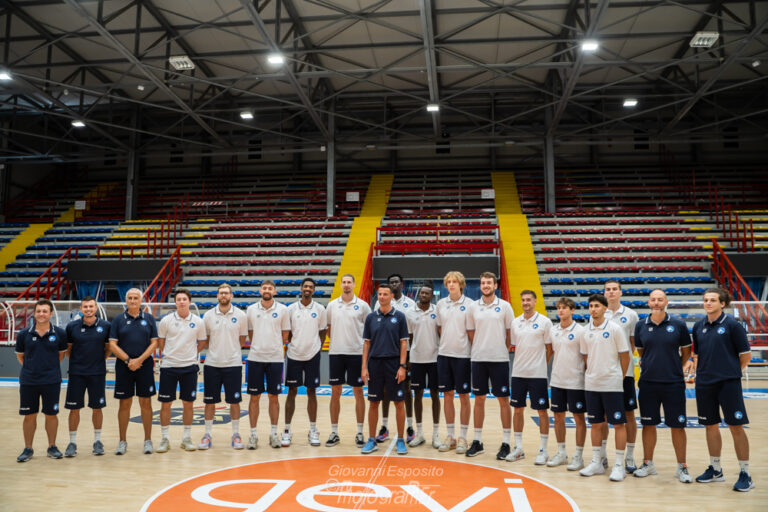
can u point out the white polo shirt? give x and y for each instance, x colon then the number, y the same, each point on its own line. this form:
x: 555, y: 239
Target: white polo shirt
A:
x: 306, y: 322
x: 567, y: 363
x: 452, y: 319
x: 627, y: 319
x: 602, y: 345
x: 490, y: 323
x: 181, y: 336
x: 224, y: 332
x: 267, y: 326
x: 423, y: 325
x: 404, y: 304
x: 346, y: 320
x: 530, y: 337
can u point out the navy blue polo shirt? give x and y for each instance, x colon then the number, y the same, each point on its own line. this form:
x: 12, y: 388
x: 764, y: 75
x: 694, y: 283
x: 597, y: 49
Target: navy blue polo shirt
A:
x: 661, y: 346
x: 385, y: 333
x: 41, y: 355
x: 718, y: 346
x: 133, y: 334
x: 87, y: 356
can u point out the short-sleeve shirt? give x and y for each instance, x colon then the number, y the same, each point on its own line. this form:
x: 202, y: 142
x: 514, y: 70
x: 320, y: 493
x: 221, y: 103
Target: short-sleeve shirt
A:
x: 133, y: 333
x: 530, y: 337
x: 423, y: 325
x: 224, y: 332
x: 267, y: 326
x: 718, y: 346
x: 385, y: 331
x: 661, y: 344
x: 567, y: 363
x: 490, y: 323
x: 627, y: 319
x: 41, y: 355
x: 404, y: 304
x: 602, y: 345
x: 452, y: 319
x: 88, y: 341
x: 306, y: 322
x: 181, y: 337
x: 346, y: 320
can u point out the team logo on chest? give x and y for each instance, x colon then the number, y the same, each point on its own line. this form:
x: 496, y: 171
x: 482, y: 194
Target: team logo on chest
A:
x: 393, y: 320
x: 99, y: 329
x: 623, y: 319
x: 670, y: 328
x: 433, y: 316
x: 721, y: 330
x: 51, y: 338
x: 497, y: 309
x: 234, y: 320
x: 274, y: 315
x: 191, y: 325
x: 535, y: 326
x: 314, y: 315
x: 606, y: 335
x: 462, y: 308
x: 356, y: 307
x: 143, y: 322
x: 571, y: 336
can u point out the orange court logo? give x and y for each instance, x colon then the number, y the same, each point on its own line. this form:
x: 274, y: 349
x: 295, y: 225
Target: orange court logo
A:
x: 336, y: 484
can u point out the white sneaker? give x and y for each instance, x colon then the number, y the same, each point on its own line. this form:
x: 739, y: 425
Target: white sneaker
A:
x: 448, y: 444
x: 274, y: 440
x: 541, y: 458
x: 618, y: 473
x: 148, y: 447
x: 683, y: 475
x: 436, y: 442
x: 314, y: 438
x: 558, y: 460
x: 594, y: 468
x: 188, y: 445
x: 164, y: 446
x: 253, y: 442
x: 285, y: 441
x: 517, y: 454
x: 646, y: 469
x: 418, y: 440
x: 577, y: 462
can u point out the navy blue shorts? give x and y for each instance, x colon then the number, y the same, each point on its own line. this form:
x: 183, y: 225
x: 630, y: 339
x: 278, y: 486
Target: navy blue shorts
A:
x: 383, y: 376
x: 454, y: 374
x: 424, y: 376
x: 31, y: 395
x: 303, y: 373
x: 726, y: 394
x: 185, y: 378
x: 345, y: 369
x: 231, y: 377
x: 572, y: 400
x: 78, y: 384
x: 495, y: 372
x: 140, y: 383
x: 630, y: 394
x: 258, y: 373
x: 671, y: 395
x: 602, y: 405
x: 522, y: 386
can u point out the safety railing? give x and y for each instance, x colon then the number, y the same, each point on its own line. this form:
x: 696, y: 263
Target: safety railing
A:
x: 168, y: 276
x: 434, y: 248
x: 52, y: 284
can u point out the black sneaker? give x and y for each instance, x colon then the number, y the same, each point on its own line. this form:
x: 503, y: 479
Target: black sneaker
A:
x: 503, y: 452
x: 409, y: 434
x: 54, y: 452
x: 333, y: 440
x: 475, y: 449
x: 383, y: 435
x: 359, y: 440
x: 25, y: 455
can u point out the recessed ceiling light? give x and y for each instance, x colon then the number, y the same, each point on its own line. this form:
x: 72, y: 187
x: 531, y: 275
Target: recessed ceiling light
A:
x: 4, y: 75
x: 246, y: 115
x: 755, y: 63
x: 589, y: 45
x: 140, y: 87
x: 704, y: 39
x: 433, y: 107
x: 78, y: 124
x: 181, y: 62
x: 630, y: 102
x: 275, y: 59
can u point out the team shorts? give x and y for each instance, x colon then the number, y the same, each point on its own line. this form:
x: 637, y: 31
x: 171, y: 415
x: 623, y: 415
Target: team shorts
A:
x: 140, y: 382
x: 670, y: 395
x: 602, y: 405
x: 214, y: 377
x: 536, y: 388
x: 303, y: 373
x: 726, y: 395
x: 185, y: 378
x: 31, y: 395
x: 495, y: 372
x: 78, y: 384
x: 345, y: 369
x: 424, y: 375
x: 383, y: 376
x: 572, y: 400
x: 454, y: 373
x: 259, y: 373
x: 630, y: 394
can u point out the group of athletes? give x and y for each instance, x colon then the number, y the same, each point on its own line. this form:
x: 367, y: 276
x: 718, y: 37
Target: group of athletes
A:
x: 400, y: 348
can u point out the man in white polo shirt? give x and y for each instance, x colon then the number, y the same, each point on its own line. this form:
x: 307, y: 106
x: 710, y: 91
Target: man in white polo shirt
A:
x: 227, y: 330
x: 268, y: 329
x: 308, y: 325
x: 181, y: 337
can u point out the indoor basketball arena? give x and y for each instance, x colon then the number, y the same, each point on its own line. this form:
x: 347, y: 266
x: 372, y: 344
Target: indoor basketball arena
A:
x: 440, y: 255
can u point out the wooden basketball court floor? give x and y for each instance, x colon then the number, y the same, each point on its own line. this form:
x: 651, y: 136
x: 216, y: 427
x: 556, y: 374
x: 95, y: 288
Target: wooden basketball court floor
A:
x: 125, y: 483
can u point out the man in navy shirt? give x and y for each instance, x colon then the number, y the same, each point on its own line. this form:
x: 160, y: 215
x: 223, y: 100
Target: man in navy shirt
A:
x: 133, y: 338
x: 720, y: 353
x: 664, y: 344
x: 385, y: 347
x: 39, y: 349
x: 88, y: 348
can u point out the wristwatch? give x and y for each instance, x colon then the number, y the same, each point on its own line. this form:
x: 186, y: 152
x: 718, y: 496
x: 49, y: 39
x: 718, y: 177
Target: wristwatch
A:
x: 127, y: 361
x: 403, y: 366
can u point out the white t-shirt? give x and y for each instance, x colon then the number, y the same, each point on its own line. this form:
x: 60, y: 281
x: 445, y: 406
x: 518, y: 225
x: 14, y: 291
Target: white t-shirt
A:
x: 627, y: 319
x: 602, y: 345
x: 306, y: 322
x: 490, y: 323
x: 452, y: 319
x: 224, y: 332
x: 267, y: 326
x: 423, y: 325
x: 530, y: 337
x: 181, y: 336
x: 346, y: 320
x: 404, y: 304
x: 567, y: 363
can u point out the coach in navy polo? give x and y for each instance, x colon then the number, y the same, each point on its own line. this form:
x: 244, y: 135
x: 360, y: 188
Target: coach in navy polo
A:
x: 133, y: 338
x: 39, y: 349
x: 385, y: 345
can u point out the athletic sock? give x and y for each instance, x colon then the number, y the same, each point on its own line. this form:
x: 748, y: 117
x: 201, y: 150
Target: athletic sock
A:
x: 208, y: 426
x: 254, y: 431
x: 744, y: 466
x: 506, y: 433
x: 630, y: 450
x: 451, y: 427
x: 620, y: 458
x: 187, y: 431
x: 463, y: 431
x: 235, y: 426
x: 288, y: 427
x: 385, y: 422
x: 359, y: 428
x: 561, y: 448
x: 334, y: 428
x: 435, y: 430
x: 97, y: 435
x: 273, y: 429
x: 715, y: 462
x: 580, y: 451
x: 603, y: 451
x: 519, y: 440
x: 409, y: 420
x: 312, y: 426
x: 597, y: 454
x: 479, y: 435
x: 420, y: 429
x: 543, y: 444
x: 73, y: 437
x: 164, y: 431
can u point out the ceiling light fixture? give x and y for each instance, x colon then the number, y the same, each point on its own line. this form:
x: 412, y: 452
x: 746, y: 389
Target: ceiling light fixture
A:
x: 630, y: 102
x: 433, y: 107
x: 704, y: 39
x: 589, y: 45
x: 246, y: 115
x: 181, y: 62
x: 78, y: 124
x: 275, y: 59
x: 755, y: 63
x: 5, y: 76
x: 140, y: 87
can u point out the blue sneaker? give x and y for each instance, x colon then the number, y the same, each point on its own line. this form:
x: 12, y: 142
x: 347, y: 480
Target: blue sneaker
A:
x: 710, y: 475
x: 401, y: 449
x: 369, y: 447
x: 744, y: 483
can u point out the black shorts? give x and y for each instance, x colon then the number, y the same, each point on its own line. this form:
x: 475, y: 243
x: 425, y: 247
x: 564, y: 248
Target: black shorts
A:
x: 258, y: 373
x: 573, y: 400
x: 522, y: 386
x: 129, y: 383
x: 345, y: 369
x: 30, y: 396
x: 726, y: 394
x: 76, y: 386
x: 671, y: 395
x: 231, y: 377
x: 495, y: 372
x: 383, y: 376
x: 185, y: 377
x: 424, y: 376
x: 454, y: 374
x: 630, y: 394
x: 602, y: 405
x: 303, y: 373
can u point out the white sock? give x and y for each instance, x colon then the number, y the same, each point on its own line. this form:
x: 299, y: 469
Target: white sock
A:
x: 479, y: 435
x: 235, y: 426
x: 579, y: 451
x: 187, y: 431
x: 630, y: 450
x: 506, y: 432
x: 208, y: 426
x: 312, y: 426
x: 254, y: 431
x: 420, y: 429
x: 543, y: 444
x: 288, y: 427
x: 561, y: 448
x: 597, y: 454
x: 334, y: 428
x: 359, y: 428
x: 273, y: 429
x: 73, y: 436
x: 435, y: 430
x: 164, y: 431
x: 97, y: 435
x: 463, y: 431
x: 451, y: 427
x: 715, y: 462
x: 603, y: 452
x: 649, y: 462
x: 620, y: 458
x: 518, y: 439
x: 744, y: 466
x: 385, y: 421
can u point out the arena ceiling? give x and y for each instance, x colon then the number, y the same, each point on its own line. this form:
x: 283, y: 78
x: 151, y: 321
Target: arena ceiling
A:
x: 360, y: 74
